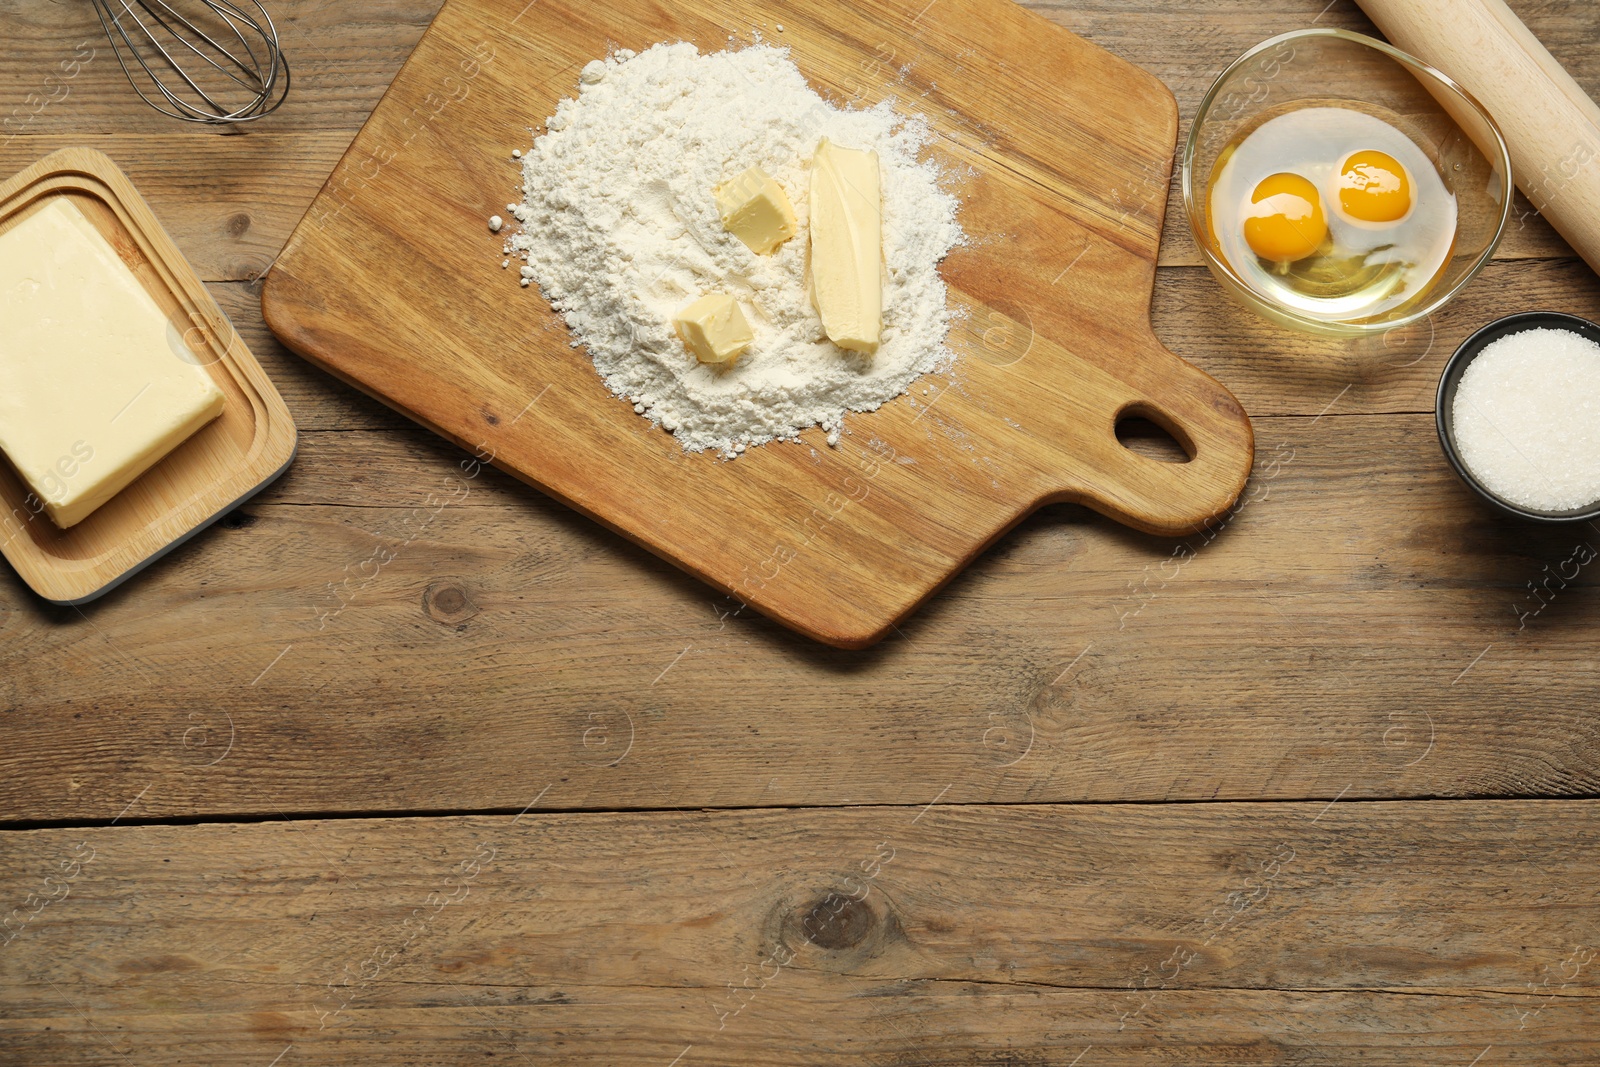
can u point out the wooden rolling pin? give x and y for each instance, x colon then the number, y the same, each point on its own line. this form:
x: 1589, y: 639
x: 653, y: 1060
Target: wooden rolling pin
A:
x: 1550, y: 125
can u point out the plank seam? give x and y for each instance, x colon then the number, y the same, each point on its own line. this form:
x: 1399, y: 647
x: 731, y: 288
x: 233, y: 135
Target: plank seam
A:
x: 252, y: 818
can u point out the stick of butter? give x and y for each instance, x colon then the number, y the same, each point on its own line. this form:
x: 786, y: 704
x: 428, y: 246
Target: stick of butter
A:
x: 714, y: 328
x: 847, y: 245
x: 93, y: 392
x: 756, y: 210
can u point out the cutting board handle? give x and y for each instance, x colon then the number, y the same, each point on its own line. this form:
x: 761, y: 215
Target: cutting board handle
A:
x: 1166, y: 498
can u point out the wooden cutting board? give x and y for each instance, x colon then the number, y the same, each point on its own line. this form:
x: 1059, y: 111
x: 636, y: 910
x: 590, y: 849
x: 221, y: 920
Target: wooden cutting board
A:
x: 393, y: 283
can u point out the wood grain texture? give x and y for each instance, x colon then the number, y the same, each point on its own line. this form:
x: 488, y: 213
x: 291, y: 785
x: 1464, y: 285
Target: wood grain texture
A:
x: 1272, y: 371
x: 603, y: 620
x: 1209, y: 934
x: 1186, y: 46
x: 345, y: 60
x: 348, y: 648
x: 1361, y: 629
x: 392, y: 284
x: 226, y: 461
x: 257, y: 187
x: 58, y: 73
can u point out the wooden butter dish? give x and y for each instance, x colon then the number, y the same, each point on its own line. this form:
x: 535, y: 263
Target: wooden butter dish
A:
x: 228, y: 461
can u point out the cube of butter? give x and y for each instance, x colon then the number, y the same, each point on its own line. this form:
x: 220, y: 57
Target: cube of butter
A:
x: 714, y: 329
x: 757, y: 211
x: 93, y: 390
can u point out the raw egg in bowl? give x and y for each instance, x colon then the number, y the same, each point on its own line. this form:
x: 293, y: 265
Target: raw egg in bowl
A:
x: 1340, y: 186
x: 1375, y: 187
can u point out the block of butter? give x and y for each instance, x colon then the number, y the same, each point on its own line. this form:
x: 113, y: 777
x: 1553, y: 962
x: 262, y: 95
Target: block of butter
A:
x: 847, y: 245
x: 757, y: 211
x: 93, y: 391
x: 714, y: 329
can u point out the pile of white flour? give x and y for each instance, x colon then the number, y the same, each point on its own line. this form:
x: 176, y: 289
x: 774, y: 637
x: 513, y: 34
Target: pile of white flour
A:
x: 620, y: 229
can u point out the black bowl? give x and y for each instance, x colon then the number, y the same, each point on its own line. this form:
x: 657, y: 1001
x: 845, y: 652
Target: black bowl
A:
x: 1444, y: 412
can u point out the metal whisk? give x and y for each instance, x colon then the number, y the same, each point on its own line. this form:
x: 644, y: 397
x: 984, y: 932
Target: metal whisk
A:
x: 222, y: 64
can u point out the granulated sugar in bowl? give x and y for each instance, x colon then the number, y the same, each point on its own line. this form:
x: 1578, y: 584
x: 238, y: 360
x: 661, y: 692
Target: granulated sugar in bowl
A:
x: 1526, y: 419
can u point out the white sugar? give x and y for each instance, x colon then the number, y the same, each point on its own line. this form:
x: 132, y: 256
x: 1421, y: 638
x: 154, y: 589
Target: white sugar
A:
x: 1527, y: 419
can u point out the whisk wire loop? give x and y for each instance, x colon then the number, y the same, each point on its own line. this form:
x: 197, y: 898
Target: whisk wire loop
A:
x: 245, y: 81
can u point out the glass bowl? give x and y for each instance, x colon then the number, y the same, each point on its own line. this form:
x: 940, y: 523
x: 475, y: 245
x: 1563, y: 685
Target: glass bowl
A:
x: 1336, y: 68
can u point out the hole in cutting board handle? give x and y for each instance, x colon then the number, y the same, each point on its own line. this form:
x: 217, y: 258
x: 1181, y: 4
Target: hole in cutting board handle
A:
x: 1150, y: 433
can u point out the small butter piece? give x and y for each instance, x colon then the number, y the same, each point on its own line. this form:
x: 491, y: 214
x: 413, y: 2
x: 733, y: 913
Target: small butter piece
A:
x: 714, y: 329
x: 93, y: 391
x: 756, y: 210
x: 847, y: 246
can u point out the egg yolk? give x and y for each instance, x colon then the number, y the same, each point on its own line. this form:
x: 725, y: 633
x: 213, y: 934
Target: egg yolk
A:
x: 1285, y: 222
x: 1374, y: 187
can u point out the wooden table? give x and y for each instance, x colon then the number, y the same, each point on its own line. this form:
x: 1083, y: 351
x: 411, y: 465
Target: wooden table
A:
x: 1318, y: 789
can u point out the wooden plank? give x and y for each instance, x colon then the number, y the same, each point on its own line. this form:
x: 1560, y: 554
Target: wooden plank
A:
x: 59, y: 74
x: 345, y: 55
x: 1187, y: 45
x: 1272, y: 371
x: 1374, y: 934
x: 228, y: 202
x: 1346, y: 631
x: 232, y: 213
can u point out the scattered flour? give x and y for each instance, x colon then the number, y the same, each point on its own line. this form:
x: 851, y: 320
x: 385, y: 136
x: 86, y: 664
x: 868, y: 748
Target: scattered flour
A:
x: 1527, y: 419
x: 620, y: 229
